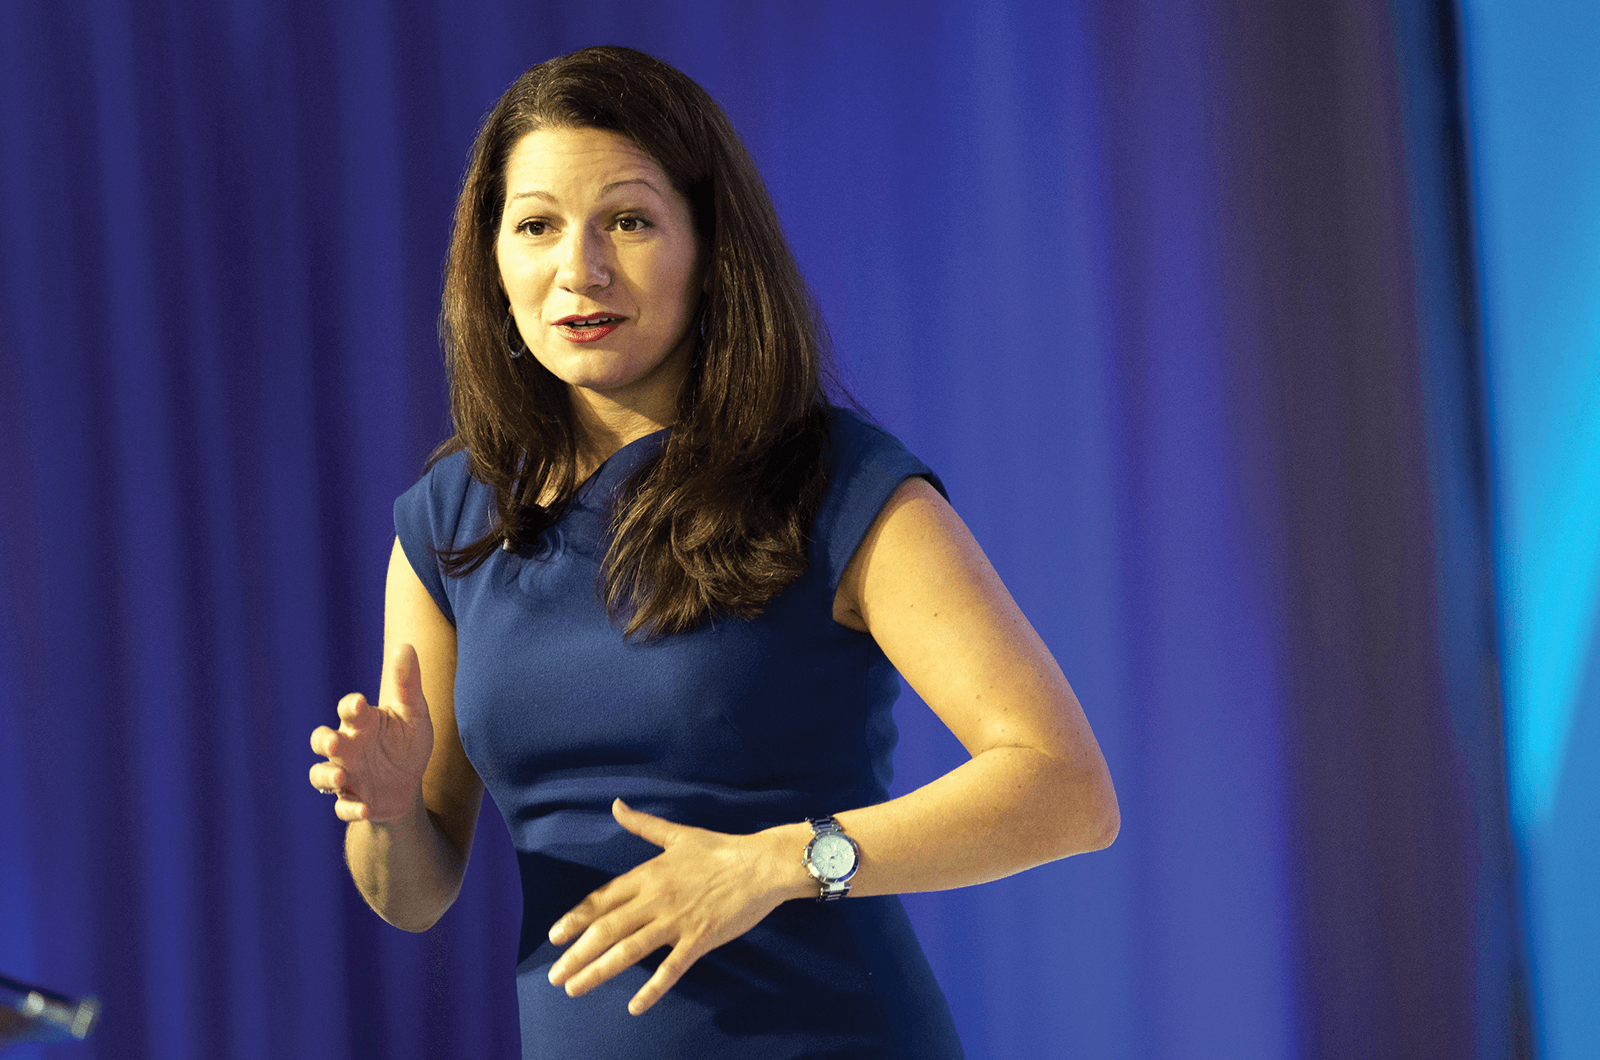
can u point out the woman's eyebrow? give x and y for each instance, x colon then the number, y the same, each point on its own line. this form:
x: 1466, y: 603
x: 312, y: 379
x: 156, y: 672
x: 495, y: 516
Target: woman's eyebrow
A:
x: 609, y: 188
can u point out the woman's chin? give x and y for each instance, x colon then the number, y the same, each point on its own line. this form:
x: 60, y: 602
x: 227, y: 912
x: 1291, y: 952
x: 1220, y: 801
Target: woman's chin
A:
x: 618, y: 379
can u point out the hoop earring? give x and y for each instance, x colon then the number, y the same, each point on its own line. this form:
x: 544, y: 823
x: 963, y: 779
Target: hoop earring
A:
x: 505, y: 336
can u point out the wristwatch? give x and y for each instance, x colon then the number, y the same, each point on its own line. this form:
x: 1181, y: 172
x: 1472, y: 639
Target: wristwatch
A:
x: 831, y: 857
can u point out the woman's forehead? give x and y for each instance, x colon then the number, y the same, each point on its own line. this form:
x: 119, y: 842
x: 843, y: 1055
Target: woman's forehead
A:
x: 547, y: 162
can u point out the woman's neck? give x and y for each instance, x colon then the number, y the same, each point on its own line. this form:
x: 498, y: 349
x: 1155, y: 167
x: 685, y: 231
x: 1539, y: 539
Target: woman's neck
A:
x: 604, y: 426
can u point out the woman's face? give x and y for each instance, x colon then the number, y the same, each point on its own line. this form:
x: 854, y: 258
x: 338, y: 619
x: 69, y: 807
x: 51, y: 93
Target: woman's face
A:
x: 599, y: 258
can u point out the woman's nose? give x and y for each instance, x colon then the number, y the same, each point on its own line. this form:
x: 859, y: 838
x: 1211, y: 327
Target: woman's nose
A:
x: 585, y: 261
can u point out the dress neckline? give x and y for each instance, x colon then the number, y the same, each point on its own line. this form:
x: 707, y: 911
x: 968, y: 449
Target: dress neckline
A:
x: 624, y: 461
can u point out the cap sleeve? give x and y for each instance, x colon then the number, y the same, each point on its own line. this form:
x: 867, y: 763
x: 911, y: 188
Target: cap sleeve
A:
x: 867, y: 464
x: 429, y: 516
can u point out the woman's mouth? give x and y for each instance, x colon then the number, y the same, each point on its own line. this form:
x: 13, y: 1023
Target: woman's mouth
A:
x: 589, y: 328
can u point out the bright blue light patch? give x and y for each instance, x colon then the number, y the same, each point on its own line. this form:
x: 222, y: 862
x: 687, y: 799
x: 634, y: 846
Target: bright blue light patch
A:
x: 1534, y: 90
x: 1536, y: 127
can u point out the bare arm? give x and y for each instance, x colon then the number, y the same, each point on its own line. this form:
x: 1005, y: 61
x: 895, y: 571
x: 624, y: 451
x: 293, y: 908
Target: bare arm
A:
x: 1036, y: 788
x: 405, y: 784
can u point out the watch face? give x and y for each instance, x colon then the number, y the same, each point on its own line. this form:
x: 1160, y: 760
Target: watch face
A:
x: 833, y: 856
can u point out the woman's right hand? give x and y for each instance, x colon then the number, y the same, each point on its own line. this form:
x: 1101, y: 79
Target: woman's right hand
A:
x: 376, y: 758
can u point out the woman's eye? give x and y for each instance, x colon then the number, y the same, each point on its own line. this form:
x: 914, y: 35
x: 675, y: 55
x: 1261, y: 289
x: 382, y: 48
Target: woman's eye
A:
x: 533, y: 228
x: 632, y: 224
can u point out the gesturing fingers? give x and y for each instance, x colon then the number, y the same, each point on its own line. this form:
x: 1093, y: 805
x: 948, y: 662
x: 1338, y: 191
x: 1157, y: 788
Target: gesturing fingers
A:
x: 354, y: 715
x: 618, y: 941
x: 697, y: 894
x: 326, y: 776
x: 630, y: 951
x: 666, y: 976
x: 657, y: 831
x: 618, y: 926
x: 608, y: 947
x: 348, y: 808
x: 323, y: 741
x: 351, y: 708
x: 581, y: 917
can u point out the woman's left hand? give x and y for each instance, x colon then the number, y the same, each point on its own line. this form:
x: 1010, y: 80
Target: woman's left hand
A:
x: 703, y: 889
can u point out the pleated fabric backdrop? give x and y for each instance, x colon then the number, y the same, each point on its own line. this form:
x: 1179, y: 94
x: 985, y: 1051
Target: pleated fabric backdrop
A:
x: 1169, y: 294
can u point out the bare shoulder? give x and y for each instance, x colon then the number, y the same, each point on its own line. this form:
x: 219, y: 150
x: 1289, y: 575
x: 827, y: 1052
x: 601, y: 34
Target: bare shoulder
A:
x: 915, y: 513
x: 923, y: 588
x: 919, y: 576
x: 916, y: 541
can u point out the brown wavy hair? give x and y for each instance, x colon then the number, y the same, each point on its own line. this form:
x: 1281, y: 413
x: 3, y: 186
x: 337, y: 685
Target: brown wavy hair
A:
x: 717, y: 521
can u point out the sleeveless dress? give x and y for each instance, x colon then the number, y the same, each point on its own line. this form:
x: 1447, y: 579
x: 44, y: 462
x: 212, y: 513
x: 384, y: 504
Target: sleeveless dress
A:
x: 735, y: 726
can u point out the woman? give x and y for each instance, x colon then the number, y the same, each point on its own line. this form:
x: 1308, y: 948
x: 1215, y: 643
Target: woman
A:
x: 650, y: 594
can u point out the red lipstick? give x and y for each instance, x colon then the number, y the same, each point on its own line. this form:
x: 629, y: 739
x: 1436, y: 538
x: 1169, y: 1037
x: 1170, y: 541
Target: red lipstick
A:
x: 588, y: 327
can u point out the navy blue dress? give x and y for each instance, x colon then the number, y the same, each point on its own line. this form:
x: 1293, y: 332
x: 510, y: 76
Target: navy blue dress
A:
x: 736, y: 726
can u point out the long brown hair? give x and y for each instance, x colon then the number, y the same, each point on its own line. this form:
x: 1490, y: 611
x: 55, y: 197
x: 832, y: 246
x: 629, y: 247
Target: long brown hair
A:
x: 716, y: 522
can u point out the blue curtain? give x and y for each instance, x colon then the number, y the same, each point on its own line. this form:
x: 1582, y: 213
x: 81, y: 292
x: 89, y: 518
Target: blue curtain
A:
x: 1166, y: 293
x: 1535, y: 110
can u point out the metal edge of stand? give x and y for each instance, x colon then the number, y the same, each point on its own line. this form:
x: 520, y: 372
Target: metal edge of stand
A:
x: 46, y: 1015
